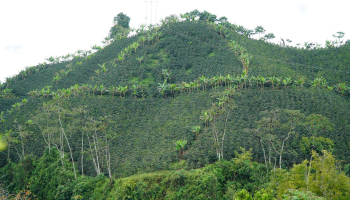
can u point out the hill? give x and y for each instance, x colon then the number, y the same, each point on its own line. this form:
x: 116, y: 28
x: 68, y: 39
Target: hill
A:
x: 120, y: 110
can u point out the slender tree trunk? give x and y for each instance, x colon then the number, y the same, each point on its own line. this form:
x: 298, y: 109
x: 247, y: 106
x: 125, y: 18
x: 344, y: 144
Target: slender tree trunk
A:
x: 82, y: 154
x: 96, y: 166
x: 8, y: 152
x: 223, y: 137
x: 262, y: 146
x: 61, y: 156
x: 70, y: 150
x: 96, y: 152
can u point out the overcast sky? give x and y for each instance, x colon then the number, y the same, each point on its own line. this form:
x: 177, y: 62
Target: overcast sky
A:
x: 32, y: 30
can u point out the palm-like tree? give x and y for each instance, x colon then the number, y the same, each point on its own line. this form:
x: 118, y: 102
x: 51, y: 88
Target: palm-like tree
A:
x: 324, y: 83
x: 142, y: 27
x: 94, y: 89
x: 127, y: 49
x: 33, y: 93
x: 244, y: 78
x: 193, y: 85
x: 329, y: 88
x: 112, y: 90
x: 251, y: 80
x: 172, y: 88
x: 102, y: 88
x: 221, y: 80
x: 142, y: 39
x: 206, y: 117
x: 180, y: 145
x: 186, y: 86
x: 286, y: 82
x: 135, y: 45
x: 278, y: 82
x: 317, y: 81
x: 124, y: 89
x: 301, y: 81
x: 103, y: 67
x: 97, y: 71
x: 120, y: 90
x: 162, y: 88
x: 341, y: 87
x: 121, y: 56
x: 258, y: 81
x: 196, y: 130
x: 273, y: 81
x: 140, y: 59
x: 202, y: 80
x: 75, y: 88
x: 67, y: 93
x: 228, y: 80
x: 135, y: 87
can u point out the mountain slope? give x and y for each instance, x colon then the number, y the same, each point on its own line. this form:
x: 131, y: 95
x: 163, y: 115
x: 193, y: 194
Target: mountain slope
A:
x: 146, y: 129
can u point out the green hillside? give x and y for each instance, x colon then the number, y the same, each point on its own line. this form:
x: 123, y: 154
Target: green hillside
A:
x: 119, y: 112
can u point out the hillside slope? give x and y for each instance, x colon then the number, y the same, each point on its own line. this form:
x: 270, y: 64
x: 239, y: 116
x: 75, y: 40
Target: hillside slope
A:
x: 147, y: 128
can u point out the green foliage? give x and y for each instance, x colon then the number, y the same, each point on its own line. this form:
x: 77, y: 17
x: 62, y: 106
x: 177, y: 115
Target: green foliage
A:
x: 300, y: 195
x: 145, y: 131
x: 322, y: 177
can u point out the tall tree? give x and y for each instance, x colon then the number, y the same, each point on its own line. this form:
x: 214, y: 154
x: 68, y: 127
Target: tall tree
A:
x: 122, y: 20
x: 259, y: 30
x: 120, y: 25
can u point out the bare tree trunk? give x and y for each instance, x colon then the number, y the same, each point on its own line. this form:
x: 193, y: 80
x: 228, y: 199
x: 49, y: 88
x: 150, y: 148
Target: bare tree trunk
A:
x: 216, y: 141
x: 262, y: 146
x: 70, y: 150
x: 96, y: 151
x: 223, y: 137
x: 108, y: 160
x: 82, y: 154
x: 96, y: 166
x: 8, y: 152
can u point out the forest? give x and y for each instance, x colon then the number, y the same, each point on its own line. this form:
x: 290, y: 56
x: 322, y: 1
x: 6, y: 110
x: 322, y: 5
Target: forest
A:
x: 192, y: 108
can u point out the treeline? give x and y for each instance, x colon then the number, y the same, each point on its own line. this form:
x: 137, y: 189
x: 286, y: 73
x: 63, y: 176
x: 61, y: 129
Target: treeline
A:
x: 239, y: 178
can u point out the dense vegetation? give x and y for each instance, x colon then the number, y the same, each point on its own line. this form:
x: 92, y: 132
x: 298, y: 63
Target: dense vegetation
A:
x: 171, y: 113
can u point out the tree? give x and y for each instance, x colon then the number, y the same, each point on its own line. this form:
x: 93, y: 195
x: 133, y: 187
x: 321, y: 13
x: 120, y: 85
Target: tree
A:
x: 162, y: 88
x: 102, y: 88
x: 124, y: 89
x: 269, y: 36
x: 316, y: 123
x: 121, y: 56
x: 180, y: 145
x: 120, y: 26
x: 326, y: 179
x: 196, y: 129
x: 121, y: 20
x: 135, y: 45
x: 206, y: 16
x: 142, y: 39
x: 286, y: 82
x: 339, y: 36
x: 259, y: 30
x: 135, y: 87
x: 112, y: 89
x: 301, y: 81
x: 140, y: 59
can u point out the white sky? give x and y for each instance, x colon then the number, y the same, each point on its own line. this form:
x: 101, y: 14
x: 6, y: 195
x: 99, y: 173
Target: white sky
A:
x: 32, y: 30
